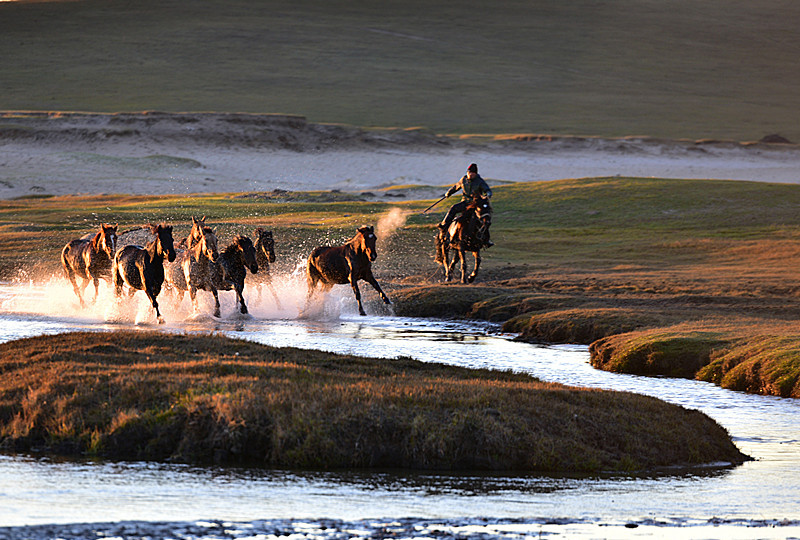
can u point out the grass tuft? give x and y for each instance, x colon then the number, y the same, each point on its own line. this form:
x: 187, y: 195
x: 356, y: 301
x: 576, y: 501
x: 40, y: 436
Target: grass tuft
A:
x: 210, y: 399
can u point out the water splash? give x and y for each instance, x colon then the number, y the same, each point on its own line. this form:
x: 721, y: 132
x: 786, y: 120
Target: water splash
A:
x: 390, y: 222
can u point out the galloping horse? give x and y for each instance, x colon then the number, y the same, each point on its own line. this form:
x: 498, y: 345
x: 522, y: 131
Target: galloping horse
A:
x: 143, y: 268
x: 466, y: 233
x: 193, y: 267
x: 345, y: 264
x: 90, y: 258
x: 230, y: 271
x: 265, y: 254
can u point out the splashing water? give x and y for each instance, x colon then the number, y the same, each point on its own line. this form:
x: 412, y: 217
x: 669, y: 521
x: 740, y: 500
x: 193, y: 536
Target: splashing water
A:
x: 390, y: 222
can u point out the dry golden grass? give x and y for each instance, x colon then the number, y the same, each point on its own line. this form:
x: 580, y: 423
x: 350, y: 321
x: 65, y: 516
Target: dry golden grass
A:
x: 141, y: 395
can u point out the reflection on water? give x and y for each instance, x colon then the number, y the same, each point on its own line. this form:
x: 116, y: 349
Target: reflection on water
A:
x: 45, y: 491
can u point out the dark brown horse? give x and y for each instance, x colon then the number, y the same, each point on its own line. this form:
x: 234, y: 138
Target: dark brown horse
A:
x: 90, y: 258
x: 265, y: 254
x: 234, y: 261
x: 143, y: 268
x: 468, y: 233
x: 193, y: 266
x: 345, y: 264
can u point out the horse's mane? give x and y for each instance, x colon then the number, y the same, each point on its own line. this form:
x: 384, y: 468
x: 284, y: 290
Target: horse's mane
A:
x: 233, y: 246
x: 96, y: 240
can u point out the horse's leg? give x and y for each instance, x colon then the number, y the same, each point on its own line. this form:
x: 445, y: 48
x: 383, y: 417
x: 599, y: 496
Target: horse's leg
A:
x: 474, y: 274
x: 216, y: 302
x: 312, y: 279
x: 116, y: 279
x: 452, y: 265
x: 71, y: 277
x: 155, y: 306
x: 273, y: 291
x: 96, y: 281
x: 354, y: 284
x: 240, y: 298
x: 462, y: 256
x: 369, y: 278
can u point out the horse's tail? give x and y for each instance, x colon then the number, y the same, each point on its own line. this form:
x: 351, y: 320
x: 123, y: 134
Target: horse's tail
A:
x: 441, y: 248
x: 65, y: 264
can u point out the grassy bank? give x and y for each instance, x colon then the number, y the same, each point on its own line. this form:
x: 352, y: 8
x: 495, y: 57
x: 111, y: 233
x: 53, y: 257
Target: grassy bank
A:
x: 717, y: 69
x: 685, y: 278
x: 209, y: 399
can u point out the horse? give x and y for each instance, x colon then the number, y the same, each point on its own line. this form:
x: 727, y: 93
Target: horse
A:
x: 332, y: 265
x: 90, y: 258
x: 466, y: 233
x: 229, y: 272
x: 143, y: 268
x: 193, y: 266
x: 265, y: 254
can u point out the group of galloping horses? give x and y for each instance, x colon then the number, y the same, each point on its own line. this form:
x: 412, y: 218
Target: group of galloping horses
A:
x: 195, y: 262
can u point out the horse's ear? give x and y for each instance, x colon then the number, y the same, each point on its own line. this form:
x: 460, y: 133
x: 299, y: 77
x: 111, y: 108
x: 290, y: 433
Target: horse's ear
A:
x: 258, y: 231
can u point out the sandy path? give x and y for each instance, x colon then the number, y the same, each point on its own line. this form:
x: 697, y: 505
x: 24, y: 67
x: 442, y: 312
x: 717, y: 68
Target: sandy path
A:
x: 212, y: 153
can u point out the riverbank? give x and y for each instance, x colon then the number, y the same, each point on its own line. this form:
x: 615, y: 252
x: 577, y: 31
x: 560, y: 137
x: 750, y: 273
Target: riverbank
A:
x: 690, y: 278
x: 209, y: 399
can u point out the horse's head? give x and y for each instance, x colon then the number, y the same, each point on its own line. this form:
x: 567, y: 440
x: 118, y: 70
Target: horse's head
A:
x: 245, y: 245
x: 106, y: 239
x: 207, y: 244
x: 197, y: 231
x: 483, y: 210
x: 165, y: 245
x: 366, y: 242
x: 265, y: 244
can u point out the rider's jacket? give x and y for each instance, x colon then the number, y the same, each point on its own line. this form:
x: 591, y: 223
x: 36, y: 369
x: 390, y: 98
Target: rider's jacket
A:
x: 471, y: 188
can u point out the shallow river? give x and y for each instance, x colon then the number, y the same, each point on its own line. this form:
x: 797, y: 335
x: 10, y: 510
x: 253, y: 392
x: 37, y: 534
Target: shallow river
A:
x: 760, y: 499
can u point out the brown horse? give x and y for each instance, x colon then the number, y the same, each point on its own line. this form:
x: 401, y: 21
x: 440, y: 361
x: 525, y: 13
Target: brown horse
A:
x: 265, y: 254
x: 345, y: 264
x: 193, y: 266
x: 90, y: 258
x: 230, y: 271
x: 143, y: 268
x: 466, y: 233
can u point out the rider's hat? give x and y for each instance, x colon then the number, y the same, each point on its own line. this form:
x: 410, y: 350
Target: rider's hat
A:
x: 472, y: 168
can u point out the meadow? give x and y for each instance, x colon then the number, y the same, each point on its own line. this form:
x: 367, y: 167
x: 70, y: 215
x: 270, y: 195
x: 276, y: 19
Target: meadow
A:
x: 685, y: 278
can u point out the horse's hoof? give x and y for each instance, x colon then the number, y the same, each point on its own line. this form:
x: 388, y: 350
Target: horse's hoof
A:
x: 161, y: 320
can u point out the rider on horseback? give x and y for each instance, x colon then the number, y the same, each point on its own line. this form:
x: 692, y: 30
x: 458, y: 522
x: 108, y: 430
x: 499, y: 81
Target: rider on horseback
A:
x: 473, y: 187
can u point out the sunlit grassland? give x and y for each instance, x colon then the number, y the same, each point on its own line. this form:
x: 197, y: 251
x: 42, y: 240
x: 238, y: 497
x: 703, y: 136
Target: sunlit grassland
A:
x: 210, y: 399
x: 627, y: 259
x: 718, y: 68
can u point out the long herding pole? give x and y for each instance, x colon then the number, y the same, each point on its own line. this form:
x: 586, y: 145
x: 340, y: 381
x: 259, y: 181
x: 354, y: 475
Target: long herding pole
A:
x: 434, y: 204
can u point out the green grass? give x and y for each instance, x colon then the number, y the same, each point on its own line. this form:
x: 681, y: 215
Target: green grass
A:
x: 715, y: 69
x: 628, y: 259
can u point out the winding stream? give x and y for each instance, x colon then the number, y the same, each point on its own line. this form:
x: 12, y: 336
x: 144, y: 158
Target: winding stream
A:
x: 757, y: 499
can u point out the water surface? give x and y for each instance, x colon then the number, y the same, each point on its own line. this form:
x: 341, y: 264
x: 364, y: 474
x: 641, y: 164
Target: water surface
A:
x: 696, y: 503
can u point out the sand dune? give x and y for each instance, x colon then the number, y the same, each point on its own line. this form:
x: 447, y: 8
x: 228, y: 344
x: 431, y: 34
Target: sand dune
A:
x: 162, y: 153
